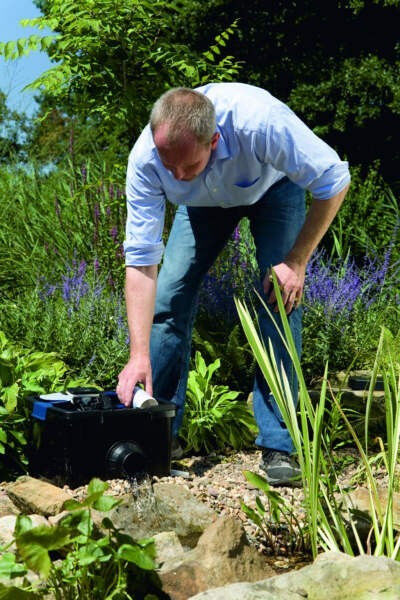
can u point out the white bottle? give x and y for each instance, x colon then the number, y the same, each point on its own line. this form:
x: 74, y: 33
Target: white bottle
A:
x: 142, y: 399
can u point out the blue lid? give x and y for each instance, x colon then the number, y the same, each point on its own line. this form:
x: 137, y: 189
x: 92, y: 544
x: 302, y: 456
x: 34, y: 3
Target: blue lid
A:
x: 40, y: 408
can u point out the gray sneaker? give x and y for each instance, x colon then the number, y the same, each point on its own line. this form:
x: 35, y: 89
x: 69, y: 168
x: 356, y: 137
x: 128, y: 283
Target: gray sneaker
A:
x: 281, y: 469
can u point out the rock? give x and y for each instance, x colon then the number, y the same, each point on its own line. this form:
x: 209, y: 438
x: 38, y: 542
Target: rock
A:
x: 334, y: 576
x: 168, y: 546
x: 35, y: 496
x: 7, y: 526
x: 167, y: 507
x: 222, y: 555
x: 7, y: 507
x: 359, y: 499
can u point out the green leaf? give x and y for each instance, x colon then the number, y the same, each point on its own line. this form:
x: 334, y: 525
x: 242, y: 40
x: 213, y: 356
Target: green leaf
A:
x: 78, y: 521
x: 34, y: 546
x: 136, y: 555
x: 9, y: 50
x: 97, y: 486
x: 21, y: 46
x: 22, y: 524
x: 251, y: 513
x: 16, y: 593
x: 9, y: 567
x: 106, y: 503
x: 10, y: 395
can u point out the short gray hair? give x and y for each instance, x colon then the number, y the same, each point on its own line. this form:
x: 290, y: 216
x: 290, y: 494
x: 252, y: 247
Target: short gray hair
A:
x: 185, y: 111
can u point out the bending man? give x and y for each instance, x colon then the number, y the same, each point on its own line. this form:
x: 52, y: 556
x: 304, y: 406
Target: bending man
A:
x: 221, y: 152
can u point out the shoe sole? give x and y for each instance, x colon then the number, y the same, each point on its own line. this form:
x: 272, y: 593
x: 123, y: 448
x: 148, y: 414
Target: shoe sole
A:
x: 282, y: 479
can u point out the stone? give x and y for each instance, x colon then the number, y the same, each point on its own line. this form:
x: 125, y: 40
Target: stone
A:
x: 32, y: 495
x: 168, y: 546
x: 222, y: 555
x: 333, y: 576
x: 359, y: 499
x: 7, y: 507
x: 7, y: 526
x: 165, y: 507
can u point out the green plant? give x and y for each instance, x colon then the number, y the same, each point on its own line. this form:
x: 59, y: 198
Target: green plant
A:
x: 329, y: 520
x: 213, y: 417
x: 231, y: 347
x: 112, y: 59
x: 91, y: 564
x: 24, y: 372
x: 279, y: 522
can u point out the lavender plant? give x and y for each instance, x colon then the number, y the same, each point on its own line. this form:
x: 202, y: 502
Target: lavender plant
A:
x: 81, y: 317
x: 345, y: 305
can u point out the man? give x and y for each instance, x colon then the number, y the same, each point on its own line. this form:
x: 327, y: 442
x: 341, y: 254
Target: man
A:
x: 221, y: 152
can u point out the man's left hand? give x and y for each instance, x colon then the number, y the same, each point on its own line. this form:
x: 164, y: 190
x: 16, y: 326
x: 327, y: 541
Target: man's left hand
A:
x: 291, y: 282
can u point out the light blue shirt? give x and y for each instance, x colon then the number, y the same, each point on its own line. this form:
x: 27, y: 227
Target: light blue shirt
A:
x: 261, y: 141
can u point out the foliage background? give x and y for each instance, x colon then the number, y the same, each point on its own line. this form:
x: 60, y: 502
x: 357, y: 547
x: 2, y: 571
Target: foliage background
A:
x: 62, y: 173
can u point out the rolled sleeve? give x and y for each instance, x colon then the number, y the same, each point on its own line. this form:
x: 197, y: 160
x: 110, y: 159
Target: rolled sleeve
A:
x: 143, y: 245
x: 291, y: 147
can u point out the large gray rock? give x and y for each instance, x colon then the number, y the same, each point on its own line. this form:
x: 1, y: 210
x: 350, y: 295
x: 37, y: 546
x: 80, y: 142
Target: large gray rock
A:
x: 167, y: 507
x: 32, y: 495
x: 7, y: 526
x: 333, y: 576
x: 222, y: 555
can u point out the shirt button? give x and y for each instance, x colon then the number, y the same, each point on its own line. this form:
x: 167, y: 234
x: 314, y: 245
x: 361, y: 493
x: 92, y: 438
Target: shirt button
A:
x: 215, y: 189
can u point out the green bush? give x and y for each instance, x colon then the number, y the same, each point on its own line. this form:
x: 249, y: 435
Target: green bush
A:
x: 213, y: 417
x: 90, y: 565
x: 82, y: 318
x: 24, y: 372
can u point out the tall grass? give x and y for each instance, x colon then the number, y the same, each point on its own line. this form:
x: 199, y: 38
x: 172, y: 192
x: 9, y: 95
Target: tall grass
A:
x: 330, y: 523
x: 47, y: 220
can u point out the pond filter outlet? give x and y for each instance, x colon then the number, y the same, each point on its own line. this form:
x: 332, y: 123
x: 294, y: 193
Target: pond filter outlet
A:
x: 73, y: 442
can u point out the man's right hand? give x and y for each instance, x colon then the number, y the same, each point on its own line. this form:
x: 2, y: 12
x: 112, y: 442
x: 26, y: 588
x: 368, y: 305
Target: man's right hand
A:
x: 137, y: 370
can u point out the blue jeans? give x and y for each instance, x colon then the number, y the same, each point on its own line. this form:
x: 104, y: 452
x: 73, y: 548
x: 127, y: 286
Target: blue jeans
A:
x: 197, y: 236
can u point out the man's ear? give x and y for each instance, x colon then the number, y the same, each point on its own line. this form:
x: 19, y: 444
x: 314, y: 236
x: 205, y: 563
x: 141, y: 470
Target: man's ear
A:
x: 214, y: 140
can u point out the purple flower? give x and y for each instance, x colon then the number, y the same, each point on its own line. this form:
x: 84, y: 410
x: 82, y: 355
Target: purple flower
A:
x: 84, y: 173
x: 74, y: 286
x: 96, y: 265
x: 114, y: 234
x: 338, y: 286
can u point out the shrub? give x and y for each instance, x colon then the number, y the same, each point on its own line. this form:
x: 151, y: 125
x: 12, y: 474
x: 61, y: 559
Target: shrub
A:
x: 91, y: 565
x: 24, y: 372
x: 213, y: 417
x: 81, y: 316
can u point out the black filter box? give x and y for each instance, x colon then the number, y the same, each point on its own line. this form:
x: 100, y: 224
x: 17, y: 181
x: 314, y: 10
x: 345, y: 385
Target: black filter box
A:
x: 73, y: 445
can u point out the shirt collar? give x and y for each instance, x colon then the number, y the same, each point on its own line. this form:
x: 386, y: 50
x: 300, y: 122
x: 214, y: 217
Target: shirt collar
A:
x: 222, y: 151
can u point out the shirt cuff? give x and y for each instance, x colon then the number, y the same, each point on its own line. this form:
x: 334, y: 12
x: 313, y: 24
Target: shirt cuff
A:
x: 331, y: 182
x: 143, y: 255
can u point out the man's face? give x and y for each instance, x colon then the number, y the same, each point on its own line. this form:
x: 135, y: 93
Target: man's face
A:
x: 186, y: 159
